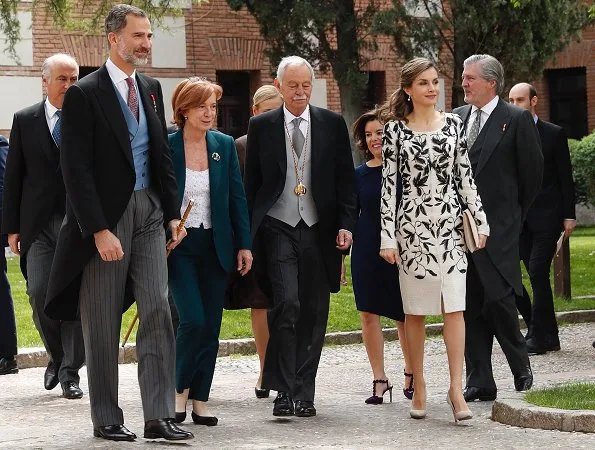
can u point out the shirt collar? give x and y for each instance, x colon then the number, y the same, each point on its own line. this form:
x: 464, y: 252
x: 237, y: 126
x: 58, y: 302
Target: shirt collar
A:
x: 289, y: 116
x: 535, y: 118
x: 488, y: 108
x: 116, y: 74
x: 49, y: 108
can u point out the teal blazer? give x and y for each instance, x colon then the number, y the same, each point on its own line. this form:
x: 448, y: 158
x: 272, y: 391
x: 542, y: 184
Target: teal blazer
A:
x: 229, y: 210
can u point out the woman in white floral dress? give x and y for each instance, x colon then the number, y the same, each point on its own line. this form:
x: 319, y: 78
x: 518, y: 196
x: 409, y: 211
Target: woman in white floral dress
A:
x: 424, y: 233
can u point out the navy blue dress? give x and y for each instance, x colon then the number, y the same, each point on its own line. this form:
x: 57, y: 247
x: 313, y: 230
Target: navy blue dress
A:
x: 375, y: 282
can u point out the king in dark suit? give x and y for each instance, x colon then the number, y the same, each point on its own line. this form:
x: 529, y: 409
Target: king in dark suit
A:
x: 34, y: 199
x: 121, y: 190
x: 552, y: 211
x: 507, y: 164
x: 300, y: 186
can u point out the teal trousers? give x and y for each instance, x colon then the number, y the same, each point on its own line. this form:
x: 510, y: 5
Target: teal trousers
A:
x: 197, y: 282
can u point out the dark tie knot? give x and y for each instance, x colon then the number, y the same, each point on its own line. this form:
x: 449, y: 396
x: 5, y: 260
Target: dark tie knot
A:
x: 58, y: 113
x: 130, y: 82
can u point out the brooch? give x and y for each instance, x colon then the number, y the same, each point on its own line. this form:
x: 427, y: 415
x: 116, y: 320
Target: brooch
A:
x: 216, y: 156
x: 154, y: 104
x: 504, y: 128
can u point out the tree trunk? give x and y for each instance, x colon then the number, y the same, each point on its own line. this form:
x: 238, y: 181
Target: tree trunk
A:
x: 351, y: 110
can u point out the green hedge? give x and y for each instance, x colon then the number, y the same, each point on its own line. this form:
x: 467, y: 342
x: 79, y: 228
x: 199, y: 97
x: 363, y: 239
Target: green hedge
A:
x: 582, y: 155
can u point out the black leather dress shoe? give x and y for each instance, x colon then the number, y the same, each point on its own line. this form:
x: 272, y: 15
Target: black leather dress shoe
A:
x: 523, y: 380
x: 71, y: 390
x: 50, y: 377
x: 472, y: 393
x: 261, y: 393
x: 304, y: 408
x: 165, y: 429
x: 209, y: 421
x: 535, y: 348
x: 114, y: 433
x: 8, y: 366
x: 283, y: 405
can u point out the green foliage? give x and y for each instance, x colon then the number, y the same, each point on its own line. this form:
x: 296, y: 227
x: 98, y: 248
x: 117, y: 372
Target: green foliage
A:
x: 66, y: 14
x: 513, y: 31
x: 583, y: 168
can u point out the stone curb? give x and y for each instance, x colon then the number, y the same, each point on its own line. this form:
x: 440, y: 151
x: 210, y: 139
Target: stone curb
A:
x: 37, y: 357
x: 517, y: 412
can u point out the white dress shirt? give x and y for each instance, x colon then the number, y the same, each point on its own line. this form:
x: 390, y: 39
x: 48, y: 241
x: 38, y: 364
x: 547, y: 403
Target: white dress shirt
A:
x: 50, y: 115
x: 486, y: 110
x: 118, y: 77
x: 304, y: 123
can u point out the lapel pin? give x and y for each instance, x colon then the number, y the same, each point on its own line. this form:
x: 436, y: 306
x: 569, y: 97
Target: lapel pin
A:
x: 216, y: 156
x: 154, y: 104
x: 503, y: 128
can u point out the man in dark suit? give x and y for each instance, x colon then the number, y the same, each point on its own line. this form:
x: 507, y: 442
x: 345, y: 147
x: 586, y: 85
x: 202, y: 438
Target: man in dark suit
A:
x: 120, y: 190
x: 505, y: 155
x: 8, y: 330
x: 34, y: 200
x: 552, y: 212
x: 300, y: 186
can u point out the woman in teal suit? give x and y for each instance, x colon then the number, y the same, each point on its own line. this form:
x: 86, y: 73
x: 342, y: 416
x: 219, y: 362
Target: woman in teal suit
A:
x: 218, y: 240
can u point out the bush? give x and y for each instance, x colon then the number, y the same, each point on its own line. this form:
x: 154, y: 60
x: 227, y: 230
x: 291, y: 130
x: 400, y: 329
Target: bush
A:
x: 583, y: 167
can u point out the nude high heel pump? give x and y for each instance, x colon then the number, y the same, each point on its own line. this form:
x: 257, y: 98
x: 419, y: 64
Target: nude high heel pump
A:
x: 461, y: 415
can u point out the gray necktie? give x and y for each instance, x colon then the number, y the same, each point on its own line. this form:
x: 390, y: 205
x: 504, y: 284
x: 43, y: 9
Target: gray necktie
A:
x: 474, y: 131
x: 57, y: 131
x: 297, y: 138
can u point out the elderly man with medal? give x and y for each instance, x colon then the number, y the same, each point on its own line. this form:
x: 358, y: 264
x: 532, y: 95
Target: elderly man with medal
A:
x: 300, y: 187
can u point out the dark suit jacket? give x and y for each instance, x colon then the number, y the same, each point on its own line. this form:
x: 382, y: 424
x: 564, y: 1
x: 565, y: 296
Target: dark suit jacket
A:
x: 229, y: 214
x: 98, y: 170
x: 508, y: 177
x: 333, y: 177
x: 555, y: 201
x: 3, y: 157
x: 241, y: 148
x: 33, y: 186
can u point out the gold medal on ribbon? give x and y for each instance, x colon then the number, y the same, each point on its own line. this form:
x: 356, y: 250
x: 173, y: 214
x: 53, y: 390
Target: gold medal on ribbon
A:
x: 300, y: 190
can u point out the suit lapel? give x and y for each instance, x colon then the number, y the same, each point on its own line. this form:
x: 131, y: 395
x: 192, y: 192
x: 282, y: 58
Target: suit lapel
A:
x: 46, y: 142
x: 215, y: 164
x: 149, y: 99
x: 495, y: 129
x: 113, y: 112
x: 277, y: 140
x: 318, y: 141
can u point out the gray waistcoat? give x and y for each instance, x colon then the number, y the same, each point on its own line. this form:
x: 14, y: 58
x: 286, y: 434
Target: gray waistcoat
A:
x: 290, y: 208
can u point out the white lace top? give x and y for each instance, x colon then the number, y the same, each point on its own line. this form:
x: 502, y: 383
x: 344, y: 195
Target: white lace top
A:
x: 197, y: 188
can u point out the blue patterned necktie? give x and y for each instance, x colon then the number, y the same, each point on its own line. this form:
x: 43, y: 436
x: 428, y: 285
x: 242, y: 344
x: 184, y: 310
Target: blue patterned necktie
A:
x: 57, y: 131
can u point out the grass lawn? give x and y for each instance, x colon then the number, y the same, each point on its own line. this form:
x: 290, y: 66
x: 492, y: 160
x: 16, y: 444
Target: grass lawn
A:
x: 343, y: 315
x: 567, y: 396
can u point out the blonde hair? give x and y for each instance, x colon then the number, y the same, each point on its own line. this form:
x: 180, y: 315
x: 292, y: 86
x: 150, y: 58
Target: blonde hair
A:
x: 265, y: 93
x: 191, y: 93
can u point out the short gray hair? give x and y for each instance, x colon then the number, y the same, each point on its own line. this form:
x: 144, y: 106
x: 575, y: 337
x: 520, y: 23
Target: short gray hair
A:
x: 491, y: 69
x: 50, y: 61
x: 292, y: 61
x: 116, y: 17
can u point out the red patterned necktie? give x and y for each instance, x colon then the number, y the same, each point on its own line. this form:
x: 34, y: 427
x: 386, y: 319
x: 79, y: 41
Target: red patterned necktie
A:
x: 132, y: 98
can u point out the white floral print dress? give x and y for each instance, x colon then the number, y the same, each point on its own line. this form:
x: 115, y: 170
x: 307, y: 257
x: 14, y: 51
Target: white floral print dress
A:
x: 427, y: 226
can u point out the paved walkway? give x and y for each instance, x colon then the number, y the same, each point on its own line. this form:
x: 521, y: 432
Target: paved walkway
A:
x: 31, y: 417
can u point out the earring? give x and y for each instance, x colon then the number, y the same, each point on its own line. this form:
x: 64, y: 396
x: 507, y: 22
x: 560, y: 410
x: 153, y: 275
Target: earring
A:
x: 185, y: 117
x: 408, y: 98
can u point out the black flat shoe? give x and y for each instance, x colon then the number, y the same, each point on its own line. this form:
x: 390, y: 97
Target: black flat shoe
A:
x: 8, y: 366
x: 283, y: 405
x: 165, y: 429
x: 50, y: 377
x: 261, y: 393
x: 209, y: 421
x: 378, y: 399
x: 472, y: 393
x: 304, y: 408
x: 523, y: 380
x: 180, y: 417
x: 71, y: 390
x: 114, y: 433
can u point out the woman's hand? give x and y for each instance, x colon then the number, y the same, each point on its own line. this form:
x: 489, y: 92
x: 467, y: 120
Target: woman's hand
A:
x: 390, y: 255
x: 482, y: 241
x: 244, y: 261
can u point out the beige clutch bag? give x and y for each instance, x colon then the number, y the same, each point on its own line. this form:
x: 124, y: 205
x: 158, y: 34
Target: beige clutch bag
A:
x: 470, y: 233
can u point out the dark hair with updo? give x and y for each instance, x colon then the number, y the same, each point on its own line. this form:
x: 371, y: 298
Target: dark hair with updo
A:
x: 398, y: 106
x: 359, y: 132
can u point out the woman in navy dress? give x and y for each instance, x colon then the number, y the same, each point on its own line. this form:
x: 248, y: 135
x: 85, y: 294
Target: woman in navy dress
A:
x: 375, y: 282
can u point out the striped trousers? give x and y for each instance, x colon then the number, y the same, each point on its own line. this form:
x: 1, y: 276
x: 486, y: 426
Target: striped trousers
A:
x: 142, y: 272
